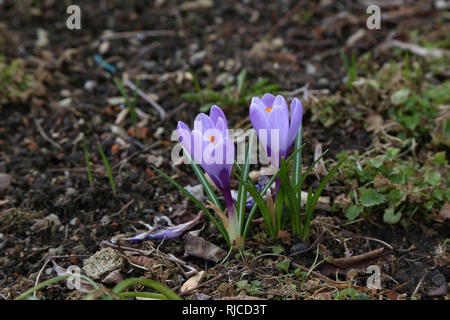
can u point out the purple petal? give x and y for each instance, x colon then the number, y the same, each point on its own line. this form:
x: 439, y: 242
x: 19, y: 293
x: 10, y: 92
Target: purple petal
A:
x: 296, y: 119
x: 202, y: 123
x: 185, y: 135
x: 279, y: 120
x: 268, y: 99
x: 216, y: 113
x: 257, y: 102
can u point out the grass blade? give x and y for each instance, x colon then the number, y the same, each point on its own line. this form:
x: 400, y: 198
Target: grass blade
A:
x: 242, y: 190
x: 108, y: 168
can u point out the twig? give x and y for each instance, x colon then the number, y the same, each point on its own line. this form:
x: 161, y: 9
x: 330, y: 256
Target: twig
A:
x: 418, y: 286
x: 45, y: 136
x: 39, y: 274
x: 161, y: 111
x: 125, y: 207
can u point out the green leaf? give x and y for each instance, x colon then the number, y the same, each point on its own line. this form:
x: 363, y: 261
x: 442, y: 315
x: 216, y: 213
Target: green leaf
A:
x: 390, y: 216
x: 283, y: 265
x: 259, y: 201
x: 439, y: 158
x: 277, y: 249
x: 432, y: 178
x: 242, y: 190
x: 353, y: 211
x: 201, y: 177
x: 107, y: 167
x: 370, y: 197
x: 255, y: 206
x: 396, y: 196
x: 400, y: 96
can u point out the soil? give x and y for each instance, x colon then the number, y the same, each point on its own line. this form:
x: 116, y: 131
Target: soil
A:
x: 41, y: 144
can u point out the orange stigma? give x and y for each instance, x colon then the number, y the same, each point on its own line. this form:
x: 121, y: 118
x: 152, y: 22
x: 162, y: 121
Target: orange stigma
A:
x: 212, y: 139
x: 268, y: 109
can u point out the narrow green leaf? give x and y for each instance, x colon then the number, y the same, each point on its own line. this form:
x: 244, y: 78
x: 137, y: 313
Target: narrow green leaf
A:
x: 259, y: 201
x: 253, y: 210
x: 146, y: 282
x: 298, y: 187
x: 297, y: 169
x: 201, y: 177
x: 242, y: 190
x: 108, y: 168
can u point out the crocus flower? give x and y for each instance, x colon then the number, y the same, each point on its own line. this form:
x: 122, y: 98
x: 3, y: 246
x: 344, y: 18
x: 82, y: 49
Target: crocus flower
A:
x: 162, y: 233
x: 210, y: 146
x: 276, y: 130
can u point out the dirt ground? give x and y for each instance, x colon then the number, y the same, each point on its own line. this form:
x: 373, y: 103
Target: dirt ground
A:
x: 51, y: 216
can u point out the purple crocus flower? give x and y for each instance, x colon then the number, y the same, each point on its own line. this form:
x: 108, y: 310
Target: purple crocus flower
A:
x: 270, y: 118
x: 210, y: 146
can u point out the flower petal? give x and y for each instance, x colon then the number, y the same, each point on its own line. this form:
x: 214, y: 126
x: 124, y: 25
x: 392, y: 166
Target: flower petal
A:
x: 268, y: 99
x: 185, y: 135
x: 216, y: 113
x: 296, y: 120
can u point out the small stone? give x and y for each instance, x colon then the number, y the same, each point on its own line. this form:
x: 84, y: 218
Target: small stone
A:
x: 438, y: 279
x: 70, y: 192
x: 89, y: 85
x: 103, y: 262
x: 299, y: 247
x: 56, y: 251
x: 200, y: 296
x: 159, y: 132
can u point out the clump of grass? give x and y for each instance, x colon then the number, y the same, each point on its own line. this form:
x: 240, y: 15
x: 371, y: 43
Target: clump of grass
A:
x: 234, y: 94
x: 107, y: 167
x: 350, y: 67
x: 13, y: 80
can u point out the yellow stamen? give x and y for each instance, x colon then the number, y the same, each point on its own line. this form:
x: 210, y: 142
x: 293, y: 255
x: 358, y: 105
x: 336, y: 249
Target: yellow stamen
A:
x: 212, y: 139
x: 268, y: 109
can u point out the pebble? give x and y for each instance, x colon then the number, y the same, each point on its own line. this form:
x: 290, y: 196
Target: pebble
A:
x: 89, y: 85
x: 299, y: 247
x: 70, y: 192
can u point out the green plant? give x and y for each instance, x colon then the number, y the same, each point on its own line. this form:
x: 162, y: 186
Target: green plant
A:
x: 222, y: 224
x: 13, y: 80
x: 288, y: 198
x: 107, y: 167
x: 393, y: 186
x: 350, y: 68
x: 118, y: 292
x: 233, y: 94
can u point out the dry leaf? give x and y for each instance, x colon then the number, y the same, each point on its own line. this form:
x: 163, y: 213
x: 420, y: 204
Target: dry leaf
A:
x: 199, y: 247
x: 193, y: 282
x: 445, y: 212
